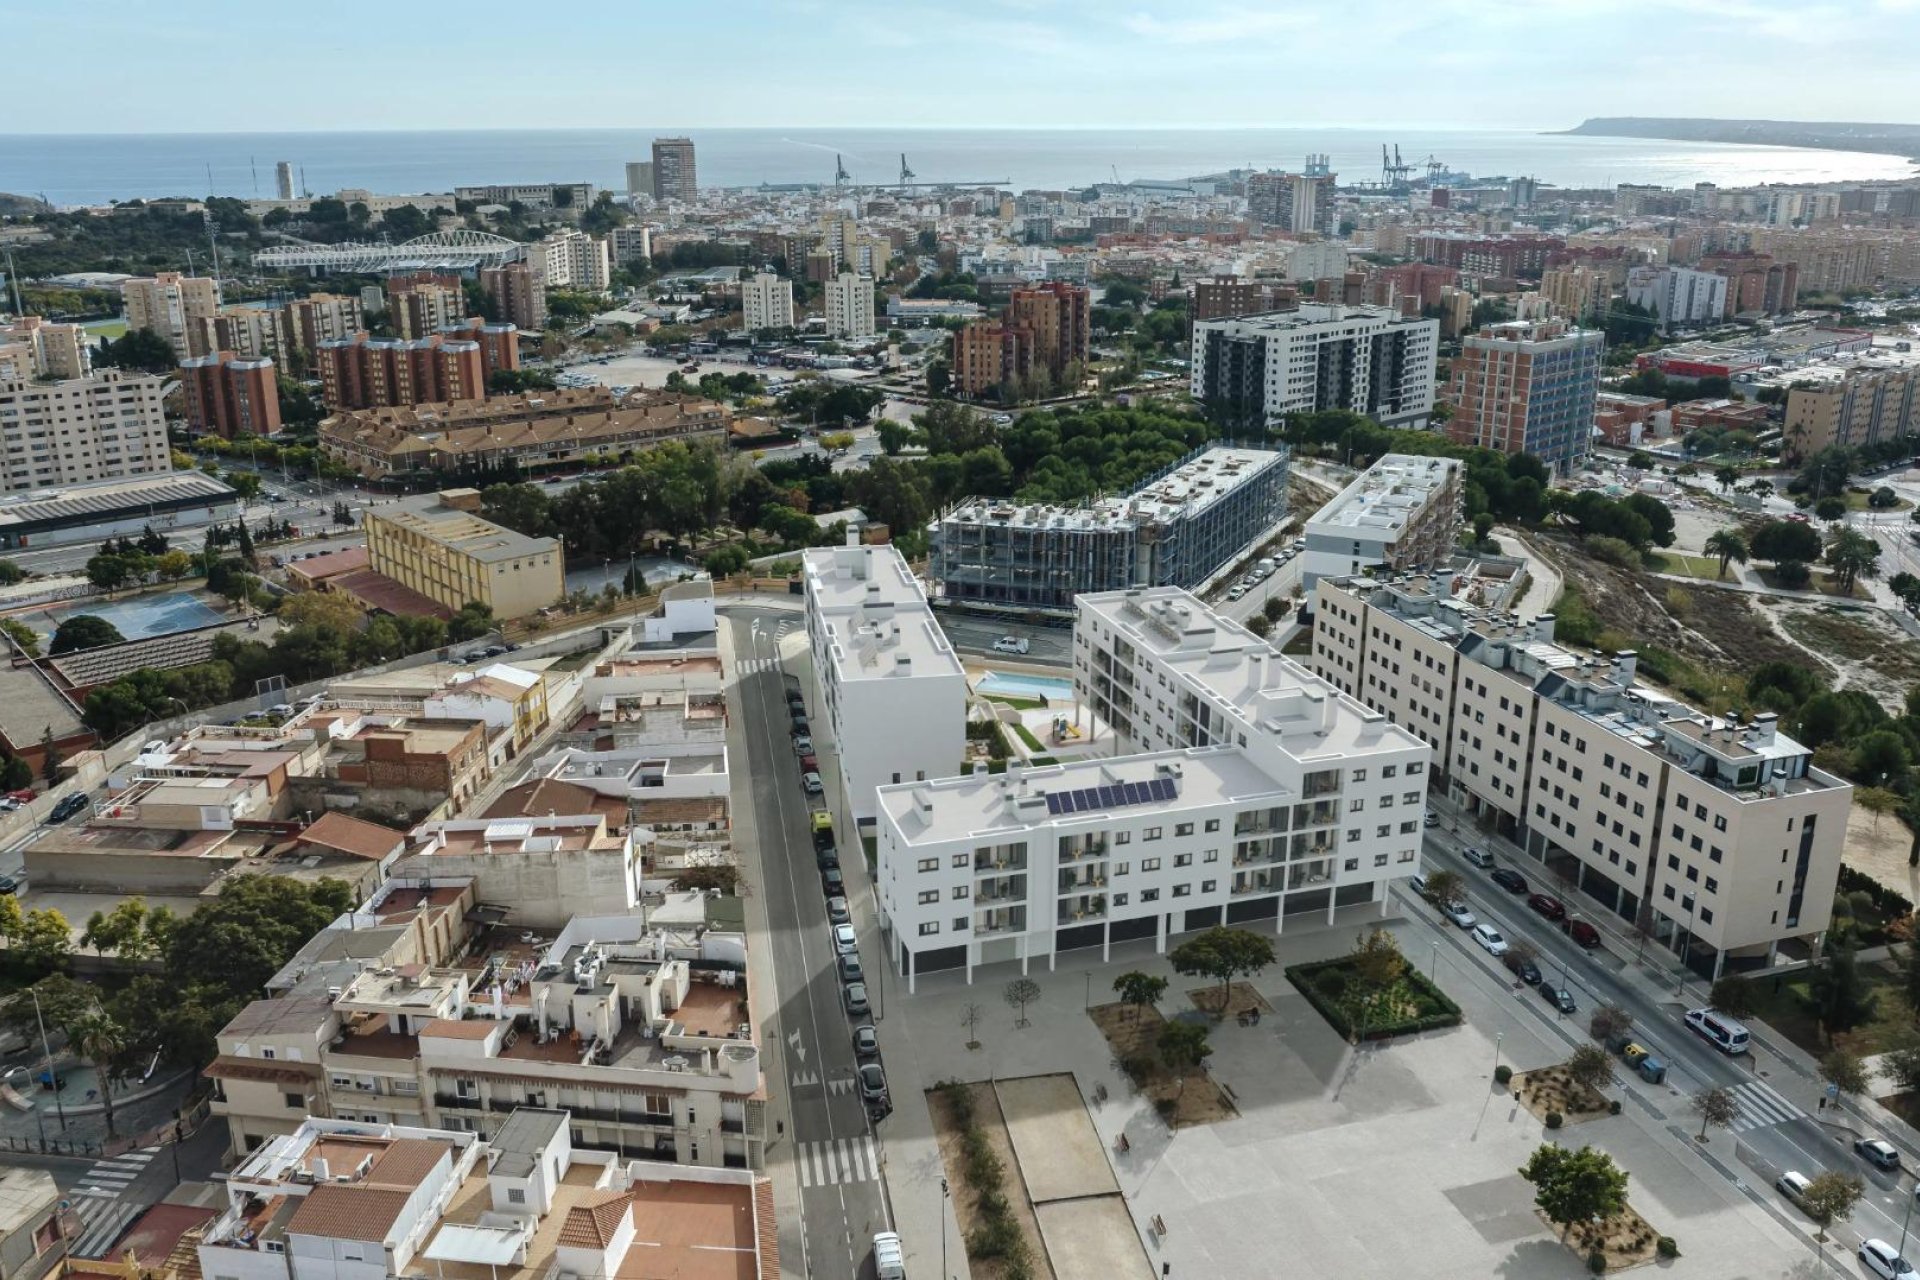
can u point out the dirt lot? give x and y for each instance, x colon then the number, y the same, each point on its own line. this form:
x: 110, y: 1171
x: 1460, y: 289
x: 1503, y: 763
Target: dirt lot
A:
x: 1878, y: 845
x: 966, y: 1197
x: 1871, y: 652
x: 1182, y: 1099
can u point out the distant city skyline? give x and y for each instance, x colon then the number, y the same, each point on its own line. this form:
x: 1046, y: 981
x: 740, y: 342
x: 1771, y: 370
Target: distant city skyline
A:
x: 1544, y: 64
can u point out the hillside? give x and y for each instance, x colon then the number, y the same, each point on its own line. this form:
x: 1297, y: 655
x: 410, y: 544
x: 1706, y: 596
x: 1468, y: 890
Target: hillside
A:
x: 1895, y: 139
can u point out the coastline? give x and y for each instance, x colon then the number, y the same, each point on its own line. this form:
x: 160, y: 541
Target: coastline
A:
x: 1868, y: 139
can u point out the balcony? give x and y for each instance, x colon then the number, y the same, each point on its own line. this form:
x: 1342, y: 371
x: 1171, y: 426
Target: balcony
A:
x: 1080, y: 882
x: 1257, y: 852
x: 1310, y: 873
x: 1263, y: 882
x: 1310, y: 847
x: 1073, y: 850
x: 994, y: 864
x: 456, y: 1101
x: 1082, y: 909
x: 1010, y: 920
x: 732, y: 1126
x: 1001, y: 889
x: 1325, y: 782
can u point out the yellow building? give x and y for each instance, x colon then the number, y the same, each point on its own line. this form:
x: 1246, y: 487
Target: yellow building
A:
x: 438, y: 545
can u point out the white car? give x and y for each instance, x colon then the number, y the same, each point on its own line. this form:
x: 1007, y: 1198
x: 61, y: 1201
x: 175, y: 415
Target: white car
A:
x: 1884, y: 1261
x: 1458, y: 913
x: 1489, y: 937
x: 1010, y: 644
x: 845, y: 943
x: 1236, y: 593
x: 1792, y: 1185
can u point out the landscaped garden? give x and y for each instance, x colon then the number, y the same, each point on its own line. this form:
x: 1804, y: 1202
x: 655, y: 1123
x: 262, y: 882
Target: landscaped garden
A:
x: 997, y: 1222
x: 1372, y: 993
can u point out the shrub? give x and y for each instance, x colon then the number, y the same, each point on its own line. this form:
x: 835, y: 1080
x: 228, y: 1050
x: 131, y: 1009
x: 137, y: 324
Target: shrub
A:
x: 1666, y: 1247
x: 1615, y: 551
x: 1166, y: 1107
x: 1502, y: 1073
x: 1613, y: 1106
x: 1596, y: 1262
x: 1332, y: 984
x: 1791, y: 573
x: 1555, y: 1119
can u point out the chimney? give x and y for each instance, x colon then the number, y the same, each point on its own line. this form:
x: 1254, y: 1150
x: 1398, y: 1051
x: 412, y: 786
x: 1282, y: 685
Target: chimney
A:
x: 1763, y: 728
x: 1625, y: 663
x: 1543, y: 628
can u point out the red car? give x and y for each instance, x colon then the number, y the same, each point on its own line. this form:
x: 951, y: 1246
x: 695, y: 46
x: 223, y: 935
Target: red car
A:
x: 809, y: 764
x: 1583, y: 933
x: 1548, y: 907
x: 25, y: 795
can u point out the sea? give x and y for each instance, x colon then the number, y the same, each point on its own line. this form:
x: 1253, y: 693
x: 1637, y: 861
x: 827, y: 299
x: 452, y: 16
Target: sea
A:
x: 74, y: 169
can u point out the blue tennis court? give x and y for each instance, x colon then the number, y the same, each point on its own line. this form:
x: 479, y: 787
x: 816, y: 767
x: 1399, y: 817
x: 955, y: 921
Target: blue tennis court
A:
x: 141, y: 617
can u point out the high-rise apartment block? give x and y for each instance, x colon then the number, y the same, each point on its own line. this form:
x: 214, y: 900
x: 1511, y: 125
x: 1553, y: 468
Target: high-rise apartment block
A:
x: 321, y: 317
x: 850, y: 306
x: 1676, y: 821
x: 1756, y: 283
x: 766, y: 302
x: 640, y: 178
x: 231, y: 395
x: 1872, y: 402
x: 1528, y: 386
x: 674, y: 177
x: 1243, y: 790
x: 572, y: 260
x: 1578, y: 293
x: 456, y: 363
x: 1297, y: 202
x: 423, y: 302
x: 1678, y: 295
x: 173, y: 306
x: 32, y: 348
x: 891, y: 685
x: 1370, y: 360
x: 1403, y: 511
x: 629, y: 244
x: 1059, y: 317
x: 106, y: 426
x: 989, y: 355
x: 519, y: 294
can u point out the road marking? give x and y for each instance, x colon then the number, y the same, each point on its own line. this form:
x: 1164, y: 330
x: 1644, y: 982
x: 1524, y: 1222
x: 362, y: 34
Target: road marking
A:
x: 1761, y: 1106
x: 835, y: 1161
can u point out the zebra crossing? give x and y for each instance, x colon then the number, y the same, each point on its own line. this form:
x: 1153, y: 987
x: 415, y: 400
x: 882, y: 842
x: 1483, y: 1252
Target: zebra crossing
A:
x: 104, y: 1217
x: 754, y: 666
x: 840, y: 1160
x: 1761, y: 1106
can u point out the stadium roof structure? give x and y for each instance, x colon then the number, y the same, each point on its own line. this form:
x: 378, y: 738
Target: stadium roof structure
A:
x: 459, y: 250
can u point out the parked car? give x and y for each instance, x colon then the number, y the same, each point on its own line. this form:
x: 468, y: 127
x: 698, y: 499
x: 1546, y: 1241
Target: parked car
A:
x: 24, y: 795
x: 1524, y: 969
x: 851, y: 970
x: 1510, y: 880
x: 1559, y: 997
x: 827, y: 856
x: 800, y: 728
x: 9, y: 885
x: 854, y: 997
x: 837, y: 912
x: 1583, y: 933
x: 1236, y: 593
x: 1432, y: 820
x: 1010, y: 644
x: 1418, y: 883
x: 803, y: 743
x: 866, y: 1041
x: 1877, y: 1151
x: 67, y: 807
x: 1792, y: 1185
x: 1478, y: 857
x: 833, y: 883
x: 8, y: 804
x: 844, y: 940
x: 1549, y: 907
x: 873, y: 1083
x: 1458, y: 913
x: 1489, y: 938
x: 795, y: 698
x: 1883, y: 1260
x: 811, y: 784
x: 809, y: 764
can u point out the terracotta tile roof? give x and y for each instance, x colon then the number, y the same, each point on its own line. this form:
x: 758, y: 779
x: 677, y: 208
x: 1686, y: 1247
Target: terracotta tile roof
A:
x: 406, y: 1163
x: 535, y: 799
x: 349, y: 1213
x: 375, y: 590
x: 591, y: 1223
x: 229, y: 1067
x: 352, y: 836
x: 768, y: 1228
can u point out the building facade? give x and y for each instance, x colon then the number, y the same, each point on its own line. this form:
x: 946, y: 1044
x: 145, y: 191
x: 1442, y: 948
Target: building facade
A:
x: 1874, y: 401
x: 173, y: 306
x: 766, y: 302
x: 1716, y: 836
x: 1678, y: 295
x: 109, y: 425
x: 572, y: 260
x: 424, y: 302
x: 361, y: 372
x: 1528, y: 386
x: 438, y: 545
x: 893, y: 691
x: 231, y: 395
x: 850, y: 307
x: 1176, y: 529
x: 519, y: 294
x: 674, y: 174
x: 1403, y: 511
x: 1369, y: 360
x: 32, y: 348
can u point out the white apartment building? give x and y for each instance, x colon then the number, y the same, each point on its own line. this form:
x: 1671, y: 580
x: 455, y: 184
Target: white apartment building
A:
x: 766, y: 302
x: 174, y: 306
x: 1370, y: 360
x: 1244, y: 789
x: 1674, y: 820
x: 850, y: 306
x: 572, y: 260
x: 1402, y: 511
x: 629, y: 244
x: 106, y: 426
x: 1317, y: 260
x: 893, y: 692
x: 1678, y: 295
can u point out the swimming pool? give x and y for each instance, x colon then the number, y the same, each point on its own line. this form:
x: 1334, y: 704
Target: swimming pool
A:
x: 1052, y: 688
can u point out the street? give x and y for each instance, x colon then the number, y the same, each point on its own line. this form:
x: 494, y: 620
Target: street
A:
x: 974, y: 633
x: 835, y: 1150
x: 1775, y: 1132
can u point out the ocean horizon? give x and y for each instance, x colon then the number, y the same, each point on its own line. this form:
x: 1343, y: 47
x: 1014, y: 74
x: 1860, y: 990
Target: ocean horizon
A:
x: 75, y: 169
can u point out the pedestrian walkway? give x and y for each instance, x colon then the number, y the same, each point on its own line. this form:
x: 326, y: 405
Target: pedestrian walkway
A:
x: 838, y: 1160
x: 107, y: 1178
x: 754, y: 666
x: 1761, y: 1107
x: 104, y: 1216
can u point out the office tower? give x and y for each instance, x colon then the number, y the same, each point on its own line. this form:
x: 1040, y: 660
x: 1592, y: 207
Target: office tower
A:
x: 1528, y: 386
x: 640, y: 178
x: 1369, y: 360
x: 231, y: 395
x: 850, y: 306
x: 424, y: 302
x: 283, y: 179
x: 173, y: 306
x: 673, y: 170
x: 766, y: 302
x: 518, y: 293
x: 105, y: 426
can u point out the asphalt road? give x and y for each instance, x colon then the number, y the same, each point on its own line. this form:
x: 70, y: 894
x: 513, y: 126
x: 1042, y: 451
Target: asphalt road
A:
x: 1048, y: 646
x: 836, y: 1149
x: 1774, y: 1133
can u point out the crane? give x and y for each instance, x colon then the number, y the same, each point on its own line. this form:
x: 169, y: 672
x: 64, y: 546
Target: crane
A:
x: 840, y: 175
x: 1393, y: 172
x: 906, y: 174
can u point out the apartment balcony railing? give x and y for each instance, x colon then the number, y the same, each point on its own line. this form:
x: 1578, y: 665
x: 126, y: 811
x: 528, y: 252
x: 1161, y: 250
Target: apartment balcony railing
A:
x: 1001, y: 895
x: 1071, y: 883
x: 457, y: 1101
x: 1255, y: 884
x: 1311, y: 873
x: 983, y: 864
x: 1081, y: 910
x: 1307, y: 847
x: 1009, y: 922
x: 1082, y: 853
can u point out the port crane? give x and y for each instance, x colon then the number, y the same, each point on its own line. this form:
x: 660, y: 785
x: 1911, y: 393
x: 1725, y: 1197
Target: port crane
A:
x: 1394, y: 172
x: 909, y: 179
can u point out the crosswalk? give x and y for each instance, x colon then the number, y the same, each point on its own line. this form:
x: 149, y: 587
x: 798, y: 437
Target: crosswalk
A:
x: 1761, y: 1106
x: 825, y: 1164
x: 96, y: 1201
x: 753, y: 666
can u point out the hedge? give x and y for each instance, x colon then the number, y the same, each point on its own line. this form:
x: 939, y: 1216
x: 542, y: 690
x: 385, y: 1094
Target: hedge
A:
x: 1894, y: 905
x: 1302, y: 977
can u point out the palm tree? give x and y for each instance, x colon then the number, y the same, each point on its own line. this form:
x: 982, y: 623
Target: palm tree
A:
x: 100, y: 1040
x: 1728, y: 545
x: 1851, y: 555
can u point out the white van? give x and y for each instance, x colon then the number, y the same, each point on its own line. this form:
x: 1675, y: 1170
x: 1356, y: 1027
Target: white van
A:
x: 889, y: 1259
x: 1717, y: 1029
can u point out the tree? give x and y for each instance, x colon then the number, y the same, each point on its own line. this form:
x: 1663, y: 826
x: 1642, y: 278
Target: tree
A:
x: 103, y: 1042
x: 1829, y: 1198
x: 11, y: 573
x: 1446, y: 887
x: 173, y: 565
x: 1020, y: 993
x: 1830, y: 509
x: 83, y: 631
x: 1139, y: 989
x: 1590, y: 1067
x: 138, y: 349
x: 1726, y: 477
x: 1575, y: 1186
x: 1715, y: 1106
x: 44, y: 939
x: 49, y: 756
x: 23, y: 637
x: 1883, y: 498
x: 1733, y: 996
x: 1609, y: 1020
x: 1183, y: 1045
x: 1779, y: 540
x: 1377, y: 960
x: 1844, y: 1071
x: 107, y: 572
x: 321, y: 608
x: 1728, y: 545
x: 1224, y: 953
x: 1852, y: 555
x: 245, y: 483
x: 970, y: 1019
x: 1901, y: 1061
x: 473, y: 621
x: 241, y: 938
x: 1838, y: 994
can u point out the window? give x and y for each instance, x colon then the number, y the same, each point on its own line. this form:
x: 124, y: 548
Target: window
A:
x: 1356, y: 806
x: 1667, y: 892
x: 1390, y: 771
x: 1149, y: 895
x: 1416, y: 769
x: 1359, y: 775
x: 1351, y: 864
x: 1119, y: 899
x: 1712, y: 885
x: 1149, y: 864
x: 1183, y: 828
x: 1407, y: 828
x: 1208, y: 886
x: 1123, y: 837
x: 929, y: 927
x: 959, y: 891
x: 297, y: 1101
x: 1213, y: 824
x: 1386, y: 802
x: 1706, y: 915
x: 959, y: 924
x: 1182, y: 859
x: 1182, y: 890
x: 1211, y: 855
x: 962, y: 861
x: 1379, y: 859
x: 1382, y: 831
x: 1406, y: 855
x: 929, y: 895
x: 1151, y: 833
x: 1353, y: 834
x: 1719, y: 822
x: 1411, y: 797
x: 1122, y: 868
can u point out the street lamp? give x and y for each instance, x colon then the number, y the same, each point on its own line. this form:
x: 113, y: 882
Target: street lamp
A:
x: 943, y: 1229
x: 53, y: 1077
x: 1907, y: 1220
x: 1686, y: 946
x: 1433, y: 969
x: 1498, y: 1036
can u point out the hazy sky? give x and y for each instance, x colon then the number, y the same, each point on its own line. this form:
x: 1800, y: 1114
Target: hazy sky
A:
x: 125, y: 66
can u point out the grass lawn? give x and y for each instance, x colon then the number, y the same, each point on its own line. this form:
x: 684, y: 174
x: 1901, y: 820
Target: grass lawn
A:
x: 1782, y: 1004
x: 1707, y: 567
x: 1018, y: 704
x: 1857, y: 501
x: 1026, y: 736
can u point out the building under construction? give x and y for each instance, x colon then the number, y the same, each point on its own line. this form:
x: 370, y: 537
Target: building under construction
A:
x: 1177, y: 529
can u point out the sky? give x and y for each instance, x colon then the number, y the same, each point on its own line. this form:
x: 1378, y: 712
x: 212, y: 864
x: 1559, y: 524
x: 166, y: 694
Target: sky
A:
x: 218, y: 66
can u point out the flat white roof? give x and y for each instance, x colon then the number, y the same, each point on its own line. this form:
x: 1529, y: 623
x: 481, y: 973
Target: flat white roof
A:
x: 875, y: 615
x: 1188, y: 489
x: 1383, y: 499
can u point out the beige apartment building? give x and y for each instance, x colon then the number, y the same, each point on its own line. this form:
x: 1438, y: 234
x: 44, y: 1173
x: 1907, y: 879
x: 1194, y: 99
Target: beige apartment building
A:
x: 178, y: 308
x: 106, y: 426
x: 437, y: 544
x: 32, y: 348
x: 1686, y: 825
x: 1874, y: 401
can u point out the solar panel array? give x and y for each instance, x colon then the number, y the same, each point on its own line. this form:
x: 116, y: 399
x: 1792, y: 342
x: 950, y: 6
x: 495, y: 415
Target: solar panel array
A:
x: 1115, y: 796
